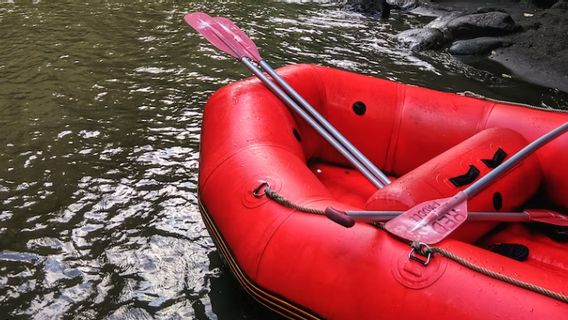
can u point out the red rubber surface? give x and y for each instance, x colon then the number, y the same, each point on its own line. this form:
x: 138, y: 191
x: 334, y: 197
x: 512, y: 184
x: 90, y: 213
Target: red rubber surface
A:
x: 360, y: 273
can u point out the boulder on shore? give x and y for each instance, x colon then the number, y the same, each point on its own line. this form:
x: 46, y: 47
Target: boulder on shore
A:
x: 476, y: 46
x: 493, y: 23
x: 403, y: 4
x: 380, y: 7
x: 422, y: 38
x: 372, y: 7
x: 537, y: 28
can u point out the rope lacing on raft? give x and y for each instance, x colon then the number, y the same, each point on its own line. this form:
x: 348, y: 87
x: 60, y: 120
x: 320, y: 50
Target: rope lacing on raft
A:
x: 275, y: 196
x: 426, y: 250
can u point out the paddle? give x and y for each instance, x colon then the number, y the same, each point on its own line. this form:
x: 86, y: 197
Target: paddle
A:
x: 348, y: 218
x: 226, y: 36
x: 432, y: 221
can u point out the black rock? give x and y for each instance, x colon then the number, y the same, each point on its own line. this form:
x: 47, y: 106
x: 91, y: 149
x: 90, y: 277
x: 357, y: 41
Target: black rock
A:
x: 373, y: 7
x: 561, y: 4
x: 403, y: 4
x: 489, y: 9
x: 543, y: 3
x: 482, y: 24
x: 422, y: 38
x: 477, y: 46
x: 442, y: 21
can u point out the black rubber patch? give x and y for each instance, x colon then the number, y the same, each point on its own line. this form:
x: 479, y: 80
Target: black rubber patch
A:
x: 514, y: 251
x: 297, y: 135
x: 556, y: 233
x: 498, y: 158
x: 466, y: 178
x: 497, y: 201
x: 359, y: 108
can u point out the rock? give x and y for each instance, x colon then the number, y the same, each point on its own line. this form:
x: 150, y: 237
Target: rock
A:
x: 380, y: 7
x: 422, y: 38
x: 403, y: 4
x: 477, y: 46
x: 442, y: 21
x: 543, y: 3
x: 489, y: 9
x: 539, y: 53
x: 482, y: 24
x: 561, y: 4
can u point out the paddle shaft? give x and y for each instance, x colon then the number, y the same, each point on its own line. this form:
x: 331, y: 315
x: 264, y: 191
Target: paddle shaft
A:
x: 378, y: 174
x: 336, y: 143
x: 226, y: 36
x: 381, y: 216
x: 348, y: 218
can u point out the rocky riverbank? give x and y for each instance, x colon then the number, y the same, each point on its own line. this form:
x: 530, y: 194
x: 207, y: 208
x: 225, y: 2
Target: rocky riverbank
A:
x: 528, y: 37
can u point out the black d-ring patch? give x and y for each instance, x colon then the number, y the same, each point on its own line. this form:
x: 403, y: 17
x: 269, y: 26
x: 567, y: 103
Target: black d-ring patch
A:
x: 467, y: 178
x: 498, y: 158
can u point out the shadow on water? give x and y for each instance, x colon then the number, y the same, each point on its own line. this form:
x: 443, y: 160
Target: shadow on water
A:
x: 100, y: 114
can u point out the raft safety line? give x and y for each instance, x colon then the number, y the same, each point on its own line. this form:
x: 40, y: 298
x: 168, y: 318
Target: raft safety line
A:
x: 273, y: 195
x: 427, y: 250
x: 498, y: 276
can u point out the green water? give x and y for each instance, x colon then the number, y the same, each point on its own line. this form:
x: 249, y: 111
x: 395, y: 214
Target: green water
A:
x: 100, y: 112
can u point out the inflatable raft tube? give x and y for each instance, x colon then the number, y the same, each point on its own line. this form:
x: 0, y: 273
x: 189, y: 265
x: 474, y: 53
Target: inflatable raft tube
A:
x: 433, y: 144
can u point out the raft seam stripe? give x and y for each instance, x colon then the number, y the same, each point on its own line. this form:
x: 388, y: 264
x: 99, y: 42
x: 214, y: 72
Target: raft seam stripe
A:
x: 237, y: 152
x: 317, y: 75
x: 254, y: 290
x: 395, y: 134
x: 324, y: 105
x: 247, y: 285
x: 268, y: 242
x: 487, y: 116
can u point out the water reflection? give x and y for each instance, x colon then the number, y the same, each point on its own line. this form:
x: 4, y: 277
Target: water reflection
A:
x: 100, y: 113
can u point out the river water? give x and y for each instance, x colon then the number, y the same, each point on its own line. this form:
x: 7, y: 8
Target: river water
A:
x: 100, y: 112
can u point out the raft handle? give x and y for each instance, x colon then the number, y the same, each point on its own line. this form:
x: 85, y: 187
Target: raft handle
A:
x: 421, y: 249
x: 262, y: 186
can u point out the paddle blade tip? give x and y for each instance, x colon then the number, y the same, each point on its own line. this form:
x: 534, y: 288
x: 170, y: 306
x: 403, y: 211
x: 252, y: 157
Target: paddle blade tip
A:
x: 208, y: 28
x: 428, y: 222
x: 238, y: 35
x: 194, y: 18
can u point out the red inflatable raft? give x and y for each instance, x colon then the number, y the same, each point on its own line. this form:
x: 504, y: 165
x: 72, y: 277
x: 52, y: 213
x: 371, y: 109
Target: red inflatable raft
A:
x: 433, y: 144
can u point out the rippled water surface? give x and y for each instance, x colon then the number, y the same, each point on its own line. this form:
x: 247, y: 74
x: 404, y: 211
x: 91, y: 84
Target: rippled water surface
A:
x: 100, y: 112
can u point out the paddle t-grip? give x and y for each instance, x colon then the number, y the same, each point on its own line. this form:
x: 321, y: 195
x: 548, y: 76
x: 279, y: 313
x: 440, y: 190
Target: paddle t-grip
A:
x: 339, y: 217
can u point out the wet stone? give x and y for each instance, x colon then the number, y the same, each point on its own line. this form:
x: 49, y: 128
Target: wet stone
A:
x: 542, y: 3
x: 477, y: 46
x: 403, y: 4
x: 422, y: 38
x: 372, y: 7
x: 482, y: 24
x: 561, y: 4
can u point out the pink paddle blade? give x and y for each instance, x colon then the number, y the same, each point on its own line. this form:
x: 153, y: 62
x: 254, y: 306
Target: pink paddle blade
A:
x: 224, y: 35
x: 240, y: 37
x: 431, y: 221
x: 204, y: 24
x: 548, y: 217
